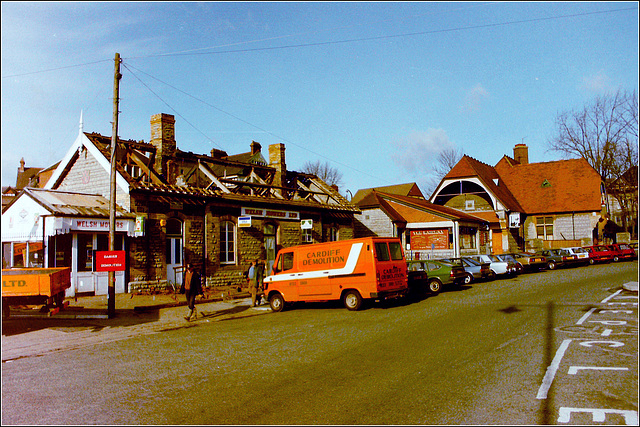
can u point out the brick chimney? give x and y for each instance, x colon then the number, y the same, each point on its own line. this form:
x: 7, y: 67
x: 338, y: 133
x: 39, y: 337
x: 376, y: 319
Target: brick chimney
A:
x: 521, y: 154
x: 276, y: 160
x: 163, y: 138
x: 255, y: 148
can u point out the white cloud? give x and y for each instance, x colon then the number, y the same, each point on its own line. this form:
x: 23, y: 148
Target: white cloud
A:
x: 474, y: 98
x: 598, y: 83
x: 418, y: 151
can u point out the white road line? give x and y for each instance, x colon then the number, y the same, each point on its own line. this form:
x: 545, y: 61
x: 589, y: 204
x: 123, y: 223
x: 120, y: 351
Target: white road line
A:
x: 610, y: 296
x: 587, y: 314
x: 551, y: 370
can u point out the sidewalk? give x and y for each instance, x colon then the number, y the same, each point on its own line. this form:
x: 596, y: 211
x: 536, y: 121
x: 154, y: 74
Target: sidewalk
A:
x: 84, y: 322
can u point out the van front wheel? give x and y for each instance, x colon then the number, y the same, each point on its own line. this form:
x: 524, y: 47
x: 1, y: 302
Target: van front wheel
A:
x: 352, y: 300
x: 276, y: 302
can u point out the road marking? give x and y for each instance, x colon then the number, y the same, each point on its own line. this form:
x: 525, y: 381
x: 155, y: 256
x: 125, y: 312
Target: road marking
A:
x: 543, y: 391
x: 630, y: 417
x: 610, y: 296
x: 574, y: 369
x: 587, y: 314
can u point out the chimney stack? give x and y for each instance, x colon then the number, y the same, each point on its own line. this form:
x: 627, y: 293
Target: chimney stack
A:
x: 521, y: 154
x: 276, y: 160
x: 255, y: 148
x: 163, y: 138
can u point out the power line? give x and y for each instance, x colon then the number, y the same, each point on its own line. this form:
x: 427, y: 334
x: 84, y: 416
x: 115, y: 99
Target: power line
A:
x: 167, y: 104
x: 419, y: 33
x: 471, y: 27
x: 239, y: 119
x: 58, y: 68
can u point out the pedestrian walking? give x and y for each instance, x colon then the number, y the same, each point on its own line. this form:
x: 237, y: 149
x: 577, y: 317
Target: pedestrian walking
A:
x: 253, y: 282
x: 260, y: 272
x: 192, y: 288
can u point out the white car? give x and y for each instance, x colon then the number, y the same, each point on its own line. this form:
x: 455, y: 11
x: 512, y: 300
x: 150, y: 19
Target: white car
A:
x: 581, y: 253
x: 497, y: 266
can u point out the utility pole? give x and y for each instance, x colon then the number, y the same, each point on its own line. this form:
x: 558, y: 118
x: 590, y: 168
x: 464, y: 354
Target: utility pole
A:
x: 111, y: 297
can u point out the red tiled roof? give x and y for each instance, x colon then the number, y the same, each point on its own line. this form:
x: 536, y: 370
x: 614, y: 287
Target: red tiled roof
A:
x: 558, y: 186
x: 469, y: 167
x: 408, y: 189
x: 413, y: 210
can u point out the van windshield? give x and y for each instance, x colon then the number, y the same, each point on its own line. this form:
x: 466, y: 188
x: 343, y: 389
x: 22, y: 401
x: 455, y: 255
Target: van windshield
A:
x: 382, y: 252
x: 396, y: 251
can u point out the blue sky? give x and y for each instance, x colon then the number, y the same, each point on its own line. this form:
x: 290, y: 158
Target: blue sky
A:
x: 376, y: 89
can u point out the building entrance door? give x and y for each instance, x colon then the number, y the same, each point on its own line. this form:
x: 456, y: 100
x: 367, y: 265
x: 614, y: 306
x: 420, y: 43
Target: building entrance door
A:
x: 174, y: 251
x: 270, y: 247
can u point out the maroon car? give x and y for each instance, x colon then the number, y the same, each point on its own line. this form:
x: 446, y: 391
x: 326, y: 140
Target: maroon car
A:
x: 599, y: 253
x: 622, y: 252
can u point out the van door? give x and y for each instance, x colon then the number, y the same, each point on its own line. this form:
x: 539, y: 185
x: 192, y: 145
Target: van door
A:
x: 286, y: 277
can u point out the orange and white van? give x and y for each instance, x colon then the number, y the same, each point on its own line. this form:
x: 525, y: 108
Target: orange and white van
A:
x: 347, y: 270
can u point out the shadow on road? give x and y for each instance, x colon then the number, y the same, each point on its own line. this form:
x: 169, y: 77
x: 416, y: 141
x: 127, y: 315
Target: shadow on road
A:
x: 70, y: 320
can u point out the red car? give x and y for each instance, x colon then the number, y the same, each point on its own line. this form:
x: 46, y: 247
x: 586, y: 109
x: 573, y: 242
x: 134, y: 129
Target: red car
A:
x: 599, y: 253
x: 622, y: 251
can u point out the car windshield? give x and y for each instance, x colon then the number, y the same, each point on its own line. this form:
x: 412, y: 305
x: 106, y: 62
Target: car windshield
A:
x: 579, y: 250
x: 495, y: 258
x: 471, y: 261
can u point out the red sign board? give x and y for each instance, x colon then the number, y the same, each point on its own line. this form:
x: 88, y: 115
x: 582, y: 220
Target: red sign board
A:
x: 429, y: 239
x: 110, y: 260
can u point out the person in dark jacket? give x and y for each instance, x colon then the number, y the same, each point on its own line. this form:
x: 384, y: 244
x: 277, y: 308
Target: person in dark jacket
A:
x: 192, y: 288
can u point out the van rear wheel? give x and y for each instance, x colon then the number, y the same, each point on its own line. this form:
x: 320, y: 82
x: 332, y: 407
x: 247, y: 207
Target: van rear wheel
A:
x: 276, y: 302
x: 352, y: 300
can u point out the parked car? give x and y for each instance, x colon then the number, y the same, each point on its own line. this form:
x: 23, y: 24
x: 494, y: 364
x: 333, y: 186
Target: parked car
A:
x: 581, y: 253
x: 531, y: 262
x: 622, y: 252
x: 433, y: 275
x: 599, y: 253
x: 497, y: 266
x: 475, y: 270
x: 558, y: 258
x: 512, y: 259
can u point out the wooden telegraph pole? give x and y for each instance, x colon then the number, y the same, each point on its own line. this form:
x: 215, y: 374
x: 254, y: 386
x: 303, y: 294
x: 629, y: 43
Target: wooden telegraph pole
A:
x: 111, y: 301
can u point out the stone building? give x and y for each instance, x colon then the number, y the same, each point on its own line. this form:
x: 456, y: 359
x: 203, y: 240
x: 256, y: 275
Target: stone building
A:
x: 216, y: 211
x: 528, y: 206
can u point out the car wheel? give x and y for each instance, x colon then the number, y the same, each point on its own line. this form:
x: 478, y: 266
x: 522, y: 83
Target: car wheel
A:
x: 591, y: 261
x: 468, y: 279
x: 551, y: 265
x: 276, y: 302
x: 616, y: 259
x: 435, y: 286
x: 352, y: 300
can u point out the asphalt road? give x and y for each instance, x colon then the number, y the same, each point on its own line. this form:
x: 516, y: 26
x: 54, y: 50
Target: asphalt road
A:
x: 558, y: 347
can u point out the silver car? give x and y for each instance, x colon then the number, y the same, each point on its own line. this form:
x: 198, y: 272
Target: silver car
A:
x: 496, y: 265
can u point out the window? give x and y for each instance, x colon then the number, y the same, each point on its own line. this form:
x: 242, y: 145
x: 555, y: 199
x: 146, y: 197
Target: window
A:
x: 285, y: 262
x: 332, y: 234
x: 382, y: 251
x: 307, y: 236
x: 85, y: 252
x: 227, y: 242
x: 469, y: 205
x: 396, y: 251
x: 544, y: 227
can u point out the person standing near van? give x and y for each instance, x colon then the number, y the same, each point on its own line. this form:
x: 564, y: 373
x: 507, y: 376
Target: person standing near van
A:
x: 253, y: 281
x: 192, y: 288
x: 260, y: 272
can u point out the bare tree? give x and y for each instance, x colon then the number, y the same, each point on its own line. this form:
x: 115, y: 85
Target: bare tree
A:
x: 605, y: 134
x: 447, y: 159
x: 324, y: 171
